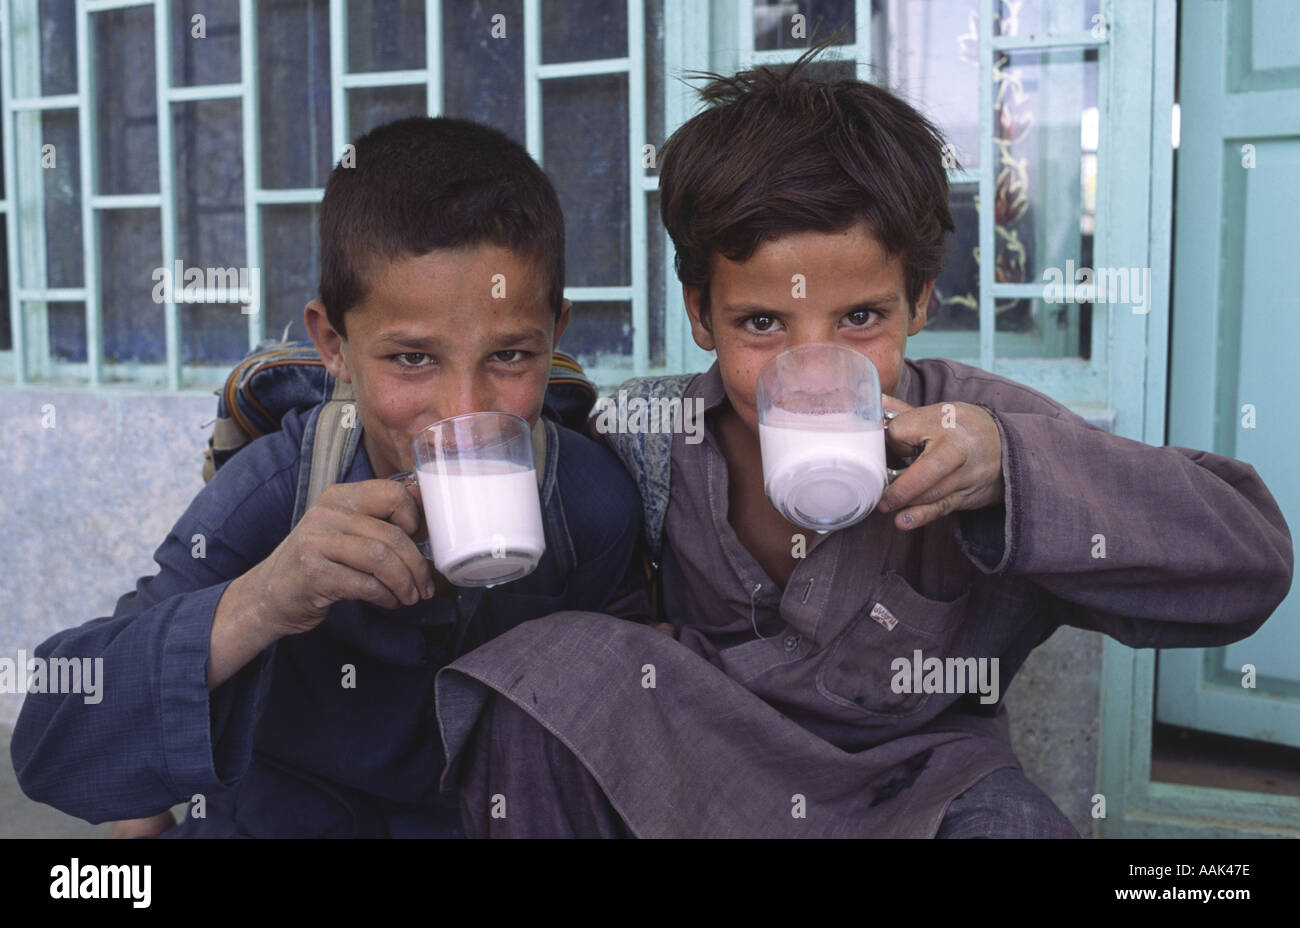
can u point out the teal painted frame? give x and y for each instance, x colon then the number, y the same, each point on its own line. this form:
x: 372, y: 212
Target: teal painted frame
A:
x: 1136, y: 805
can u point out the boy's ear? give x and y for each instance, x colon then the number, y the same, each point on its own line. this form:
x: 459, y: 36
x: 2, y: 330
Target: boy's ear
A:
x: 916, y: 321
x: 561, y: 323
x: 328, y: 342
x: 700, y: 331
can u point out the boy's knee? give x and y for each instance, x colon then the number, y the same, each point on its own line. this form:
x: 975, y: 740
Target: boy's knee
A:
x: 1005, y: 805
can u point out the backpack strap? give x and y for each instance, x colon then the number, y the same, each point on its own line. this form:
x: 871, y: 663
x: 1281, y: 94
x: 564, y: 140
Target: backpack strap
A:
x: 329, y: 443
x: 648, y: 455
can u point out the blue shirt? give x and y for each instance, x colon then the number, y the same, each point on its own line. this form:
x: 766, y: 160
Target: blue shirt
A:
x: 283, y: 748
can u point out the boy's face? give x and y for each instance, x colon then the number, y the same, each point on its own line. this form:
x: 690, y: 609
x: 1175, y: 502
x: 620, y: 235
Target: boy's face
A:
x: 435, y: 337
x: 851, y: 293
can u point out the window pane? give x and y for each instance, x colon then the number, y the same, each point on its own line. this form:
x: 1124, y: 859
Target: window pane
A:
x: 654, y: 78
x: 130, y: 247
x: 64, y: 264
x: 290, y: 266
x: 205, y: 51
x: 209, y: 179
x: 371, y: 107
x: 210, y: 224
x: 932, y: 61
x: 599, y: 334
x: 67, y: 326
x: 954, y: 304
x: 583, y: 30
x: 1039, y: 104
x: 1036, y: 329
x: 385, y: 35
x: 6, y: 324
x: 126, y: 130
x: 1029, y: 17
x: 483, y: 77
x: 215, y: 333
x: 58, y: 20
x: 293, y: 51
x: 584, y: 128
x: 656, y: 248
x: 785, y: 24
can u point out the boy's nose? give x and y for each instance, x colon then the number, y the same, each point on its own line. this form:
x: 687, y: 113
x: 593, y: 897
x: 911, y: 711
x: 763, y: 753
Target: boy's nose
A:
x: 460, y: 398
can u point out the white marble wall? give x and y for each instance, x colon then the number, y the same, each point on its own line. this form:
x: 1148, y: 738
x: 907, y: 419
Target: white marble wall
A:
x: 85, y: 503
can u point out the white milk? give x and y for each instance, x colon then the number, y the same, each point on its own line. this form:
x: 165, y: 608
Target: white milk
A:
x: 485, y: 520
x: 822, y: 471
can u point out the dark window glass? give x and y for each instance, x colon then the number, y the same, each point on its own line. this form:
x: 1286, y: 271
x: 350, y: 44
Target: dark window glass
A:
x: 483, y: 76
x: 294, y: 93
x: 58, y: 19
x: 801, y: 23
x: 205, y: 51
x: 208, y: 142
x: 583, y: 30
x: 130, y: 251
x: 599, y: 334
x: 126, y: 102
x: 67, y: 326
x: 6, y: 330
x: 64, y: 256
x: 290, y: 266
x: 373, y: 106
x: 584, y: 124
x: 385, y: 35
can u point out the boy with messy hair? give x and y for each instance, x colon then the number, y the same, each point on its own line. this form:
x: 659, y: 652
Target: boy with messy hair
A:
x: 777, y: 709
x: 287, y: 677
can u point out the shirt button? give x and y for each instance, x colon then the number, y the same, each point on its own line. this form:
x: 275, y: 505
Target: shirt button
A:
x: 791, y: 642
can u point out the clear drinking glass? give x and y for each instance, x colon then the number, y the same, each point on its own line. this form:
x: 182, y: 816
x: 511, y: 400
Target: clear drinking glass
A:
x: 478, y: 483
x: 821, y: 431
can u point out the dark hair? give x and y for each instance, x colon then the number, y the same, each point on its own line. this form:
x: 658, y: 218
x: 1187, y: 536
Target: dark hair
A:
x: 422, y: 183
x: 779, y: 151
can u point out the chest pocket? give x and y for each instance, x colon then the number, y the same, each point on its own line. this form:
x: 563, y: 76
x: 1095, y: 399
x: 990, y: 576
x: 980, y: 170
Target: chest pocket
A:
x: 871, y: 668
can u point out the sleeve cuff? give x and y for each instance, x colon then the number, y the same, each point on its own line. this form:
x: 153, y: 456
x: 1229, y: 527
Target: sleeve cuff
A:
x: 990, y: 537
x: 207, y: 737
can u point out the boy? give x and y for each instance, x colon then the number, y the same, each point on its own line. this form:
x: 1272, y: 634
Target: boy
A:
x: 779, y: 709
x: 283, y: 684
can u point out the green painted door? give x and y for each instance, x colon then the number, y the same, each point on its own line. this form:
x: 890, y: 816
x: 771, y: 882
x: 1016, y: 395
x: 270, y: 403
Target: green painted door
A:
x: 1236, y: 325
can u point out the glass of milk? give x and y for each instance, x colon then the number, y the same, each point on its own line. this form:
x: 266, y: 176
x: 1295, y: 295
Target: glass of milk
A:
x: 821, y: 434
x: 478, y: 484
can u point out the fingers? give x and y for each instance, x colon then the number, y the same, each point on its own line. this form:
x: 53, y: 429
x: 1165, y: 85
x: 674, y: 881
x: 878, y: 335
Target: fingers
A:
x: 931, y: 477
x: 385, y: 500
x: 371, y: 567
x: 350, y: 523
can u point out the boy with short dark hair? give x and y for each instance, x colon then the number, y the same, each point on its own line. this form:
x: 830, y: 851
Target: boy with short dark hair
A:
x: 286, y: 677
x: 808, y: 212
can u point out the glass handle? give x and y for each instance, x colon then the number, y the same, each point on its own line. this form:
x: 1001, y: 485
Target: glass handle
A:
x: 408, y: 478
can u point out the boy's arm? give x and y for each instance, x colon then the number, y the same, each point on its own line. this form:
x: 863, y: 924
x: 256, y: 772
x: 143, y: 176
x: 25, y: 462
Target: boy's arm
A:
x: 153, y: 735
x: 1157, y: 547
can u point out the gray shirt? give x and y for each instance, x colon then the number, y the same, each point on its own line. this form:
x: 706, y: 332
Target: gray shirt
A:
x: 787, y: 712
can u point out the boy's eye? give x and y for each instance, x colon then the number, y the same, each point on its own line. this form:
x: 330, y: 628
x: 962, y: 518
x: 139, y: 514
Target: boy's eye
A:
x: 402, y: 359
x: 760, y: 323
x: 859, y: 317
x: 510, y: 356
